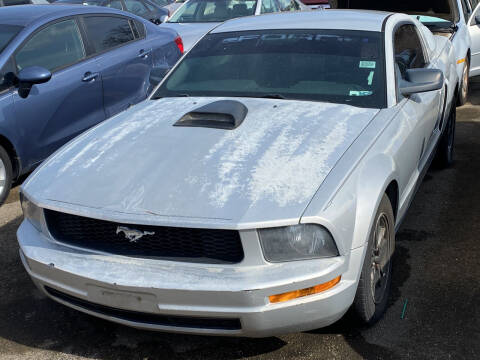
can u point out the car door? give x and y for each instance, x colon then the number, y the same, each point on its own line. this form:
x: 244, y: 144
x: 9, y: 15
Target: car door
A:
x: 474, y: 30
x: 422, y: 109
x: 124, y: 59
x: 68, y: 104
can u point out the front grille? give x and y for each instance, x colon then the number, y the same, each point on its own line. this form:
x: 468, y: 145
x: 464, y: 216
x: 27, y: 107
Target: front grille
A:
x: 159, y: 242
x: 151, y: 319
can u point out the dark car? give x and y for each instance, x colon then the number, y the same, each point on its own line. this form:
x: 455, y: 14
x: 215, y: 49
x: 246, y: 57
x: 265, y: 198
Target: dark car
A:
x: 66, y: 68
x: 143, y: 8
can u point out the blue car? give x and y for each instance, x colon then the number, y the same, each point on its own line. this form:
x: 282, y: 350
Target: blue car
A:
x: 64, y: 69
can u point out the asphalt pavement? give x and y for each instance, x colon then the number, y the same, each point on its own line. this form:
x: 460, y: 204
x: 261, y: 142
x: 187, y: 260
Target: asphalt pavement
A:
x: 434, y: 312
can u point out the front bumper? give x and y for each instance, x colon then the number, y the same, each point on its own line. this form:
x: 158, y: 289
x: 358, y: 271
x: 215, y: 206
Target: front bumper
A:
x: 129, y: 290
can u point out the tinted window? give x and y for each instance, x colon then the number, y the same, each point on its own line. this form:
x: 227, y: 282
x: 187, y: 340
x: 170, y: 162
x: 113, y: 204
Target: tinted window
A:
x: 136, y: 7
x: 16, y: 2
x: 288, y: 5
x: 53, y: 47
x: 321, y: 65
x: 7, y: 33
x: 408, y: 49
x: 116, y: 4
x: 213, y: 10
x: 105, y: 32
x: 269, y: 6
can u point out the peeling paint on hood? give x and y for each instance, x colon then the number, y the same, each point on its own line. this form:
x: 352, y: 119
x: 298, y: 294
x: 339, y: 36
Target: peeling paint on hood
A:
x: 267, y: 169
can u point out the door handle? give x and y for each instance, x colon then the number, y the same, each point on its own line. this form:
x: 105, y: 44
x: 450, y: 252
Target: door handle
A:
x: 89, y: 76
x: 144, y: 53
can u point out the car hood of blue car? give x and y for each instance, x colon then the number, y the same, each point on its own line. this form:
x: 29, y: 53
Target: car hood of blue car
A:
x: 139, y: 168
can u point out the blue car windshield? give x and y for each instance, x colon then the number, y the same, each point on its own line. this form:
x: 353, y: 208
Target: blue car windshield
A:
x: 7, y: 33
x: 198, y: 11
x: 338, y: 66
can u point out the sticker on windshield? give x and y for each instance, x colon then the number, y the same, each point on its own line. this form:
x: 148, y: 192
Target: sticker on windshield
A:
x: 360, y: 93
x: 368, y: 64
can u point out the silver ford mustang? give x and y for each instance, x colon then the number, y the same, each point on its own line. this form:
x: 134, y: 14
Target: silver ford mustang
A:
x: 258, y: 190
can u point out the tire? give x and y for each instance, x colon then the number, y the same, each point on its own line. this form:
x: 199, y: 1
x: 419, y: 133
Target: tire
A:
x: 373, y: 290
x: 445, y: 151
x: 463, y: 90
x: 5, y: 175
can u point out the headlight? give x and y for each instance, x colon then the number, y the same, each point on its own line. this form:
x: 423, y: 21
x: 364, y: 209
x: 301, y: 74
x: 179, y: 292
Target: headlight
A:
x: 32, y: 212
x: 298, y: 242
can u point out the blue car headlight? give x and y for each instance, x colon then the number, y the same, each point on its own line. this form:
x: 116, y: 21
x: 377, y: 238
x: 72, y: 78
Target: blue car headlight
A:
x: 297, y: 242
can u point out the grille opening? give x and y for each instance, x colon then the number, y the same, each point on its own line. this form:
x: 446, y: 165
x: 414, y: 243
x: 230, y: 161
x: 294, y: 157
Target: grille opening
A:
x: 146, y: 318
x: 210, y: 246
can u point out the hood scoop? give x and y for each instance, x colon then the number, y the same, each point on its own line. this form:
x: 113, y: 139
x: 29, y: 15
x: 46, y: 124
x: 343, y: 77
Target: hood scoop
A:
x: 222, y: 114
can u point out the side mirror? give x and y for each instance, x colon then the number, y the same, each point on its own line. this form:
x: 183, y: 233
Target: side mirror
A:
x: 157, y: 74
x: 163, y: 18
x: 421, y: 80
x: 30, y: 76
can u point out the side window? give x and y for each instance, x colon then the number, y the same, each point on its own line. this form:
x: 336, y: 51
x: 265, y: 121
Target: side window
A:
x: 54, y: 47
x: 115, y: 4
x: 140, y: 28
x: 288, y: 5
x: 269, y: 6
x: 106, y: 32
x: 408, y: 49
x: 7, y: 76
x: 135, y: 7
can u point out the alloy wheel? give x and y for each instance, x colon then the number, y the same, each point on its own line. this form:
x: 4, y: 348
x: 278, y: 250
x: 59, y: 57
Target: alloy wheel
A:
x: 380, y: 268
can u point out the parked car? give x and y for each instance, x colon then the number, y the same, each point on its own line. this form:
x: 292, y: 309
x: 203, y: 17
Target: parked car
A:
x: 259, y: 189
x: 143, y: 8
x: 195, y: 18
x: 67, y: 68
x: 450, y: 18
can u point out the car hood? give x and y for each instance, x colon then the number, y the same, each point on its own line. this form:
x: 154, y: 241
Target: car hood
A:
x: 190, y: 32
x: 138, y: 164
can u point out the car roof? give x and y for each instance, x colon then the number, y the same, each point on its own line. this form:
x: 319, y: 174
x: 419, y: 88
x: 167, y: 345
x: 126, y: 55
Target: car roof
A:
x: 23, y: 15
x: 361, y: 20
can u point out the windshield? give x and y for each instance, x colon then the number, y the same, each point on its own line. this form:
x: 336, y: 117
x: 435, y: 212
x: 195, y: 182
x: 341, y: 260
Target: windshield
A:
x: 440, y: 9
x: 337, y: 66
x: 195, y: 11
x: 7, y: 33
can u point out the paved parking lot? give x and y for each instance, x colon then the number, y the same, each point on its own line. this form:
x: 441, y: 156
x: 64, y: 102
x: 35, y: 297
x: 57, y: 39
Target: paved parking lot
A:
x: 436, y: 281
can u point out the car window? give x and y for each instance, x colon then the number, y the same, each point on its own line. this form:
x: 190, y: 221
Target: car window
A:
x: 136, y: 7
x: 338, y: 66
x: 409, y: 52
x: 7, y: 76
x: 288, y: 5
x: 54, y: 47
x: 213, y: 10
x: 269, y: 6
x: 106, y: 32
x: 16, y: 2
x: 7, y: 33
x: 115, y: 4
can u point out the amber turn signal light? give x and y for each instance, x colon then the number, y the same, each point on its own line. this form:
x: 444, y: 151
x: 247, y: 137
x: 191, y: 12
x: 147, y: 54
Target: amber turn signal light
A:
x: 304, y: 292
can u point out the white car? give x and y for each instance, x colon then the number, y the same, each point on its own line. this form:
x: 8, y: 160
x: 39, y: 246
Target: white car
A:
x: 258, y: 191
x: 458, y: 20
x: 195, y: 18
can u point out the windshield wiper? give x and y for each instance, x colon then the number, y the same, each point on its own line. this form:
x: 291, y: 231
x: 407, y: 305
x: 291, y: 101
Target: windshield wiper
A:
x: 273, y: 96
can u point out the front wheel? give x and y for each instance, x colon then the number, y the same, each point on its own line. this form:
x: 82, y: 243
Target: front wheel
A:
x: 371, y: 299
x: 445, y: 150
x: 463, y: 93
x: 5, y: 175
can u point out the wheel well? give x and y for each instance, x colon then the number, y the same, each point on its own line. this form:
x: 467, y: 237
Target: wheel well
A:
x: 468, y: 55
x: 392, y: 193
x: 9, y: 148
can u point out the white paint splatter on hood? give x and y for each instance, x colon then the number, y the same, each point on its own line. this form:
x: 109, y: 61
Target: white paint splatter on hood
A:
x: 267, y: 169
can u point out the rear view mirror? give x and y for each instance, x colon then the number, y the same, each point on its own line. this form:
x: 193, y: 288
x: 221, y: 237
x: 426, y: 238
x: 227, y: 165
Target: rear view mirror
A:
x: 421, y: 80
x: 30, y: 76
